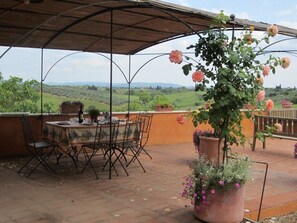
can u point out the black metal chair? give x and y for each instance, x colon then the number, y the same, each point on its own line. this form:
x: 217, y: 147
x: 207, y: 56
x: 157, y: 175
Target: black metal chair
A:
x: 130, y: 141
x: 40, y: 151
x: 101, y: 142
x: 146, y: 122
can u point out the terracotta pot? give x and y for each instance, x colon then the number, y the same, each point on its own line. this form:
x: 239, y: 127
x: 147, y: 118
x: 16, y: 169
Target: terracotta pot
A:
x: 209, y: 147
x: 164, y: 108
x: 222, y: 207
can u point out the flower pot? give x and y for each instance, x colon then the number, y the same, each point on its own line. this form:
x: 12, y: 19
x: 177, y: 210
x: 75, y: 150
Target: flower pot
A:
x: 163, y: 108
x: 209, y: 147
x: 222, y: 207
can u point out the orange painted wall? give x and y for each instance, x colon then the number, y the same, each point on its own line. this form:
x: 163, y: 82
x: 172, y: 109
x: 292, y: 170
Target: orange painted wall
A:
x: 165, y: 130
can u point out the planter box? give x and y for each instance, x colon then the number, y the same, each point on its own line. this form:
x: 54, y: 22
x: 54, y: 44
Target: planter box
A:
x: 163, y: 108
x: 286, y: 104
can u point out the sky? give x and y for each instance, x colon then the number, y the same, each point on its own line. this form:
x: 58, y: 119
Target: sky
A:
x: 25, y: 63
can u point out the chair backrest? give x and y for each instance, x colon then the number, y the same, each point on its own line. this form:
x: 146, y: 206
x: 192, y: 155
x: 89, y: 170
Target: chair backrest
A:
x: 26, y: 128
x: 130, y: 132
x: 146, y: 123
x: 105, y: 132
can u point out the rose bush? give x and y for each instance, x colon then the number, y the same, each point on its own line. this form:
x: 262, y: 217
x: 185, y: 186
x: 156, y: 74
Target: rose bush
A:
x: 231, y: 75
x: 230, y: 72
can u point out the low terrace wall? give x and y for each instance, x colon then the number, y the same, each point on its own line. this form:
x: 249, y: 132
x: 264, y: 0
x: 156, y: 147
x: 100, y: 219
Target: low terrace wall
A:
x: 165, y: 130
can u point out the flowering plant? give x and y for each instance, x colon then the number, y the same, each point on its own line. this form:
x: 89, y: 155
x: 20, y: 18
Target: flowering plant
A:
x: 230, y: 74
x: 206, y: 179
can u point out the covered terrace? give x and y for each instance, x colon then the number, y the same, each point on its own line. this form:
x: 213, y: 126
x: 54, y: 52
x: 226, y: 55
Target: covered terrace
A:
x: 119, y: 27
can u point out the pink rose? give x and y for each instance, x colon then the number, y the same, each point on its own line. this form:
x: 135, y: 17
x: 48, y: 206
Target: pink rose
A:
x: 266, y: 70
x: 260, y: 80
x: 272, y: 30
x: 285, y: 62
x: 269, y: 105
x: 176, y: 56
x: 198, y: 76
x: 181, y: 119
x: 279, y: 127
x: 261, y: 96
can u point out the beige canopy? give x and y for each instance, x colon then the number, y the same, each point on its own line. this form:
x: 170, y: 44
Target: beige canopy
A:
x: 92, y: 25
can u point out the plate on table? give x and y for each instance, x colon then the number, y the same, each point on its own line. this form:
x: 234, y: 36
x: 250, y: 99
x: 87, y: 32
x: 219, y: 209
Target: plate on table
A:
x: 63, y: 123
x: 87, y: 123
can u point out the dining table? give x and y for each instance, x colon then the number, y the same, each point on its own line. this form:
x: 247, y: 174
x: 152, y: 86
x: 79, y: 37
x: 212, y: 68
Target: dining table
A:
x: 71, y: 135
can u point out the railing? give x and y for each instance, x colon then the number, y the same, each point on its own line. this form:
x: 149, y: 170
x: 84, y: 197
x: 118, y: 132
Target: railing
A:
x: 285, y: 113
x: 289, y: 128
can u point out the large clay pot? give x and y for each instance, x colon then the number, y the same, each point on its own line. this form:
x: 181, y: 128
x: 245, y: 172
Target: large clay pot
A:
x: 222, y: 207
x: 209, y: 147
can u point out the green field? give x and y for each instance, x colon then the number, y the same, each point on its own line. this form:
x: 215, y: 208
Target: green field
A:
x: 180, y: 98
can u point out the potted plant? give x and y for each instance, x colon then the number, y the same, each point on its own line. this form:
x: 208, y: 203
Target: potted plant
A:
x: 206, y: 143
x: 230, y: 74
x: 217, y: 194
x: 162, y: 103
x: 94, y: 113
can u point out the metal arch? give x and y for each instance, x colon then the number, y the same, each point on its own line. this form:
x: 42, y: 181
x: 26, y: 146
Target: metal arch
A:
x: 150, y: 60
x: 276, y: 42
x: 68, y: 55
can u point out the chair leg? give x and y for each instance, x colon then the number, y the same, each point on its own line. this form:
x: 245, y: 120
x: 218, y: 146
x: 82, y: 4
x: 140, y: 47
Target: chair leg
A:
x: 109, y: 161
x: 42, y: 160
x: 26, y: 164
x: 135, y: 157
x: 88, y: 158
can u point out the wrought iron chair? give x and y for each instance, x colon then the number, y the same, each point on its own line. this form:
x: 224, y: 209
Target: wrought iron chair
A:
x: 146, y: 122
x: 129, y: 144
x: 101, y: 142
x: 40, y: 150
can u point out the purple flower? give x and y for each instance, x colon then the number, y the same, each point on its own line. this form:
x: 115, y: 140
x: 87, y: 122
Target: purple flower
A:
x: 221, y: 182
x: 203, y: 192
x: 212, y: 191
x: 237, y: 185
x: 195, y: 195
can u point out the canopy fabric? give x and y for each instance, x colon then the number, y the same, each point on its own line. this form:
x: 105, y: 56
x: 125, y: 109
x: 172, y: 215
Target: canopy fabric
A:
x: 85, y: 25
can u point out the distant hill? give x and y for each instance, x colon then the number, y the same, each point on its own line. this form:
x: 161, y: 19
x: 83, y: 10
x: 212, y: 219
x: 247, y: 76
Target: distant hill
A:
x: 118, y: 85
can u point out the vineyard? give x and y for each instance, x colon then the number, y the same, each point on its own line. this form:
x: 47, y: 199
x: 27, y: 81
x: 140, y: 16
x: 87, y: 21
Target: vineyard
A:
x: 181, y: 98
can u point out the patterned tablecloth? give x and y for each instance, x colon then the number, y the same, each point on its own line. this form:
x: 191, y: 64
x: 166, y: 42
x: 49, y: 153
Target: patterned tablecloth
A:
x: 69, y: 135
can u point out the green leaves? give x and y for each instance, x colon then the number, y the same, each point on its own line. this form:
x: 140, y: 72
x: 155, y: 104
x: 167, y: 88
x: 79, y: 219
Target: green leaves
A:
x: 18, y: 95
x: 187, y: 68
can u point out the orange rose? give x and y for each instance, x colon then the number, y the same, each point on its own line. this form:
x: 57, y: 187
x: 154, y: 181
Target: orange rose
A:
x: 176, y: 56
x: 181, y: 119
x: 198, y: 76
x: 266, y: 70
x: 272, y: 30
x: 249, y: 39
x: 279, y: 127
x: 269, y: 105
x: 261, y: 95
x: 285, y: 62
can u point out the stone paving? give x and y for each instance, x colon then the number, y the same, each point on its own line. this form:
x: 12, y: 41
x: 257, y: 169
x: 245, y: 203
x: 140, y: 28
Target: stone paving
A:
x: 151, y: 197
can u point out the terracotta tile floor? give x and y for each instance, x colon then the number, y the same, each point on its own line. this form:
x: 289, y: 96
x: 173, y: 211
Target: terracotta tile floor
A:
x: 151, y: 197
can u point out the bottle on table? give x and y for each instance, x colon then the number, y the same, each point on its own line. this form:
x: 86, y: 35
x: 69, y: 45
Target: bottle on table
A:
x: 80, y: 115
